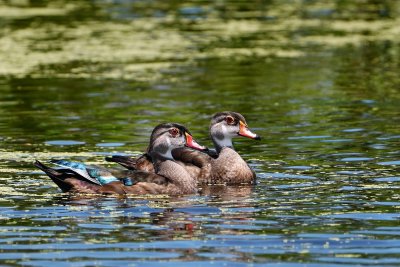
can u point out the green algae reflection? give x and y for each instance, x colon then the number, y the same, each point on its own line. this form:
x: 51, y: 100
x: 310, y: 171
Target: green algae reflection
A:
x: 82, y: 39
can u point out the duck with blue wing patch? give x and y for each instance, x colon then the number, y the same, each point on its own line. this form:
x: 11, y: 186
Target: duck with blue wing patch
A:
x: 169, y: 178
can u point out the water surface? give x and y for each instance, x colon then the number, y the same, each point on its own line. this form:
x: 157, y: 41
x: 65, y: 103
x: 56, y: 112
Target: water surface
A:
x: 318, y: 81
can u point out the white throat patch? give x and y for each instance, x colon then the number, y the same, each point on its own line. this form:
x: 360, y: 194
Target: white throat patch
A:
x: 227, y: 141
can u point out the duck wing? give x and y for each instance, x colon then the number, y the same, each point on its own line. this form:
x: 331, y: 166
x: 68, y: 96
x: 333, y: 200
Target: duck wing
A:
x: 130, y: 177
x: 196, y: 163
x: 191, y: 156
x: 95, y: 174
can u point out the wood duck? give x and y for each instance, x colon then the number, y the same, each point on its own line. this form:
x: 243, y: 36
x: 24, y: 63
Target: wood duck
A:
x: 168, y: 177
x: 222, y: 166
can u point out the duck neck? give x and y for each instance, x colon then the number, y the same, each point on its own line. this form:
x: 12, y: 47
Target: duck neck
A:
x: 160, y: 152
x: 220, y: 143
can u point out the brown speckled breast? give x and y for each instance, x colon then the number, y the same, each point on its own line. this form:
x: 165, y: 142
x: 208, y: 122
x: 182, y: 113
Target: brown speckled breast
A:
x: 230, y: 168
x: 196, y: 163
x: 177, y: 176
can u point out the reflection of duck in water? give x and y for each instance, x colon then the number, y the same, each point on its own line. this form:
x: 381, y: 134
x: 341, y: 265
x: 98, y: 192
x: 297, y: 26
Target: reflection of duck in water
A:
x: 227, y: 192
x: 222, y: 166
x: 82, y: 178
x: 177, y: 221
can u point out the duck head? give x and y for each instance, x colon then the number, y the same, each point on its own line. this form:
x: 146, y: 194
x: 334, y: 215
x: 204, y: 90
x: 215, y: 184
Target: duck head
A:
x: 168, y: 136
x: 227, y: 125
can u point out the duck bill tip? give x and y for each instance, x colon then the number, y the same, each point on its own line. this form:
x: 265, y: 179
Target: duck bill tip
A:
x: 190, y: 142
x: 245, y: 132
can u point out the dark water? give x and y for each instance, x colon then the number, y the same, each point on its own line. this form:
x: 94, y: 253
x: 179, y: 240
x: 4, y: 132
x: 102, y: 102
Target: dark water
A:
x: 320, y: 82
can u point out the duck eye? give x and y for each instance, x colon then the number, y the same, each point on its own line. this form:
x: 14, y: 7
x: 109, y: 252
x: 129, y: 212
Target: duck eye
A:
x: 230, y: 120
x: 174, y: 132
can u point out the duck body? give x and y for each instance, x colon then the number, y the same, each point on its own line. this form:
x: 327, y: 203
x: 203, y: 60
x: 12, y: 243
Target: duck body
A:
x: 229, y: 168
x: 102, y: 182
x: 169, y: 177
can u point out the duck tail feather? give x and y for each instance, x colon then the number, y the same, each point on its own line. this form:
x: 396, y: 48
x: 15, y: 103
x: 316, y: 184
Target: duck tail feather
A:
x: 55, y: 176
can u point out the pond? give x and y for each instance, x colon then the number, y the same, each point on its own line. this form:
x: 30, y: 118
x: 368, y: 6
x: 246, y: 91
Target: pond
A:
x: 319, y: 82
